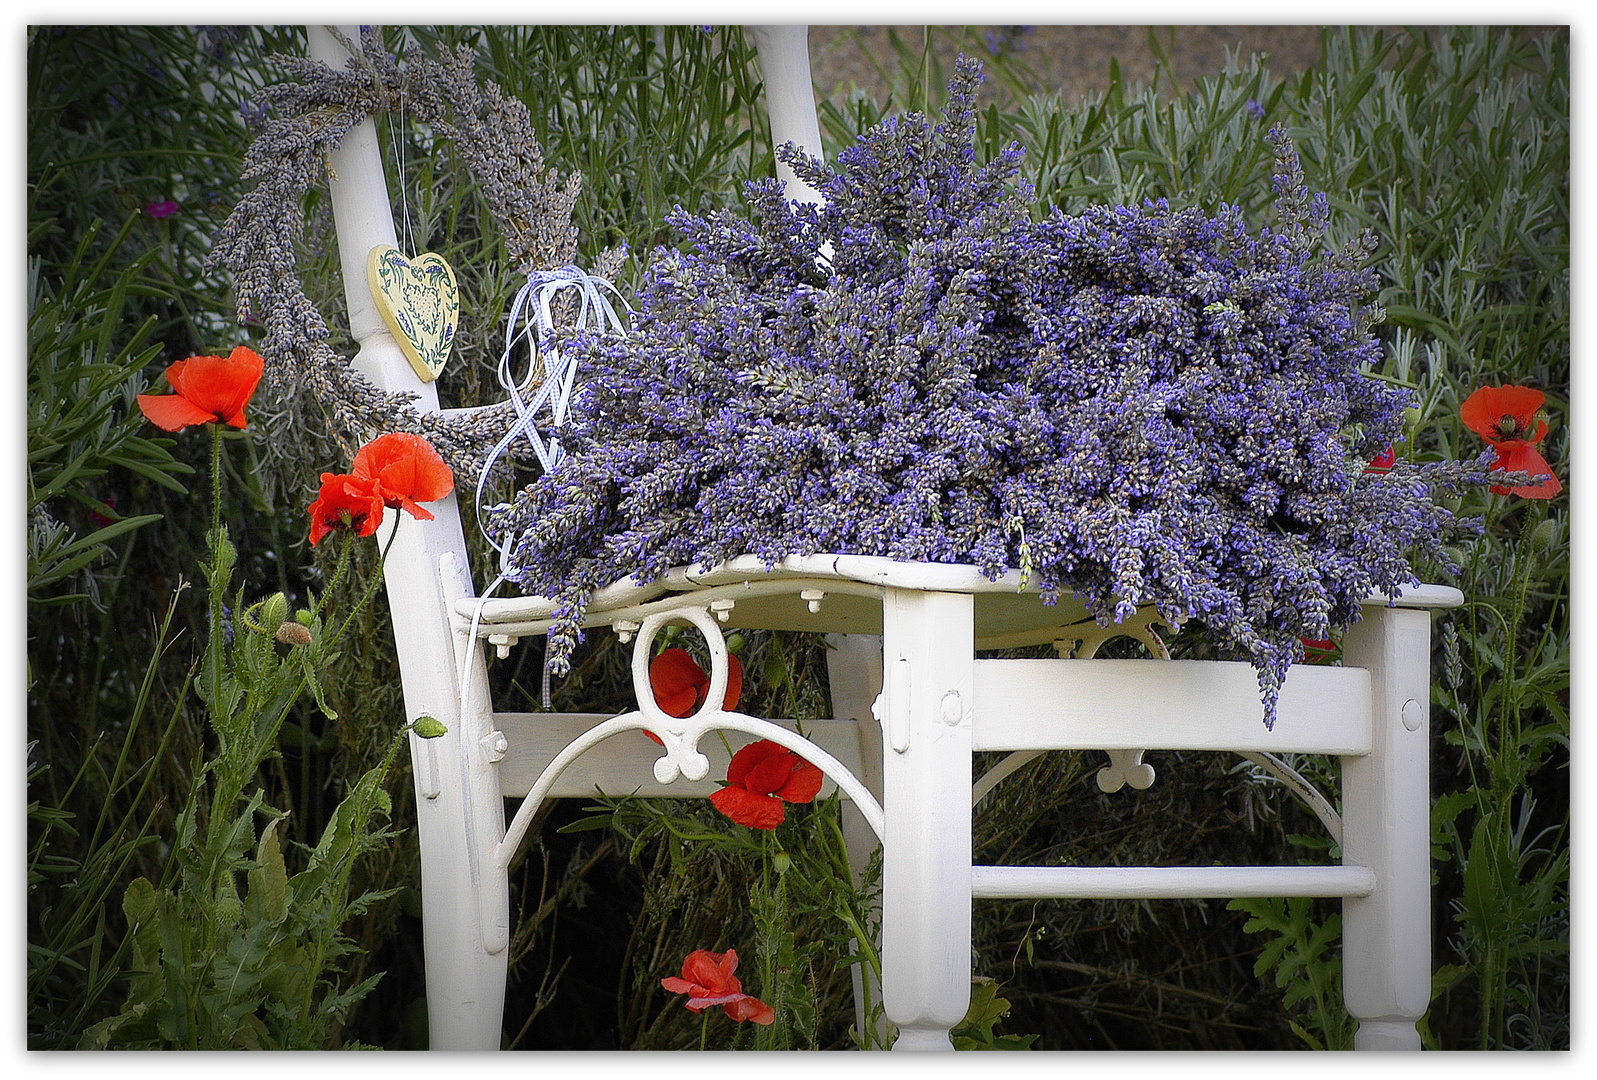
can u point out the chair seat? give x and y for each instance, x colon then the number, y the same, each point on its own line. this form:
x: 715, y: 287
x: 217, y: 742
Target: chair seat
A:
x: 1009, y: 611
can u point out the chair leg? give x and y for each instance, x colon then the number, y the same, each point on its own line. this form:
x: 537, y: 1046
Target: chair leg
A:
x: 854, y: 672
x: 460, y: 815
x: 1386, y: 936
x: 465, y: 982
x: 926, y: 768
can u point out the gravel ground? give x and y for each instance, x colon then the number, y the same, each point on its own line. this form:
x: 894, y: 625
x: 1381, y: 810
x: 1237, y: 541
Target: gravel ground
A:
x: 1073, y: 60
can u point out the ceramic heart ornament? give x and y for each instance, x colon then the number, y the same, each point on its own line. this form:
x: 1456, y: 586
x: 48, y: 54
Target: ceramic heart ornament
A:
x: 420, y: 301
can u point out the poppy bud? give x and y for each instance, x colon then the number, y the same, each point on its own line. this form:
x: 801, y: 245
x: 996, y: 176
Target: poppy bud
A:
x: 428, y: 727
x: 228, y: 907
x: 781, y: 861
x: 292, y: 633
x: 1545, y: 536
x: 273, y: 612
x: 228, y: 911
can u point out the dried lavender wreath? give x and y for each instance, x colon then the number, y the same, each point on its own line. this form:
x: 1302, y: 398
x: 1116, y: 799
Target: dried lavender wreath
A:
x: 1139, y: 405
x: 308, y: 388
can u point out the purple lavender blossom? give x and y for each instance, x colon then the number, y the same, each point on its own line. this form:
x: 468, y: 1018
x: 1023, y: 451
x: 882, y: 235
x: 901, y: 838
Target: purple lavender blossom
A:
x: 253, y: 114
x: 1007, y: 39
x: 1147, y: 405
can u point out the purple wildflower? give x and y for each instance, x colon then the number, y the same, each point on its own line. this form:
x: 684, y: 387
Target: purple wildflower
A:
x: 1007, y: 39
x: 164, y: 208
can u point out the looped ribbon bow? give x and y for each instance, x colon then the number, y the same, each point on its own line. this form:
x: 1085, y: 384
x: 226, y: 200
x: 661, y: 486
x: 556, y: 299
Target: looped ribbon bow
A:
x: 531, y: 319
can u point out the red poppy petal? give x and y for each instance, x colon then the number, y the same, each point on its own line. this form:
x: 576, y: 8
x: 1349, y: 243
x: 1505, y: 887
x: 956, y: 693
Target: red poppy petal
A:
x: 747, y: 809
x: 1479, y: 412
x: 246, y: 369
x: 172, y: 412
x: 709, y: 972
x: 770, y: 773
x: 431, y: 477
x: 750, y: 1008
x: 677, y: 681
x: 1544, y: 490
x: 1515, y: 455
x: 1512, y: 456
x: 804, y: 782
x: 747, y: 759
x: 676, y: 985
x: 345, y: 502
x: 1524, y: 458
x: 219, y: 385
x: 407, y: 468
x: 679, y: 703
x: 734, y: 683
x: 402, y: 502
x: 656, y: 739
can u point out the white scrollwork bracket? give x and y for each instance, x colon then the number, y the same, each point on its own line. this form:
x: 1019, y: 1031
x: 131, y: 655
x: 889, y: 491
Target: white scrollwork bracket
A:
x: 1081, y: 641
x: 680, y: 735
x: 1125, y: 767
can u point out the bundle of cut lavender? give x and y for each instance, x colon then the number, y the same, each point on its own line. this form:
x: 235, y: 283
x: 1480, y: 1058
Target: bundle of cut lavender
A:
x: 1135, y: 405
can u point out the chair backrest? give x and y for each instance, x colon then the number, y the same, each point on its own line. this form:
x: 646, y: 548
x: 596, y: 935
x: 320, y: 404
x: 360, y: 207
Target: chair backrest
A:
x: 459, y: 799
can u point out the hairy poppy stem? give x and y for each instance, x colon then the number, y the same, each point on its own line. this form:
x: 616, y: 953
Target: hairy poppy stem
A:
x: 371, y: 586
x: 215, y: 543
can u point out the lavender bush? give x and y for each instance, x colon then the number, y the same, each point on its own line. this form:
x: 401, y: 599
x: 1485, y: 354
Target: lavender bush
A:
x: 1137, y: 405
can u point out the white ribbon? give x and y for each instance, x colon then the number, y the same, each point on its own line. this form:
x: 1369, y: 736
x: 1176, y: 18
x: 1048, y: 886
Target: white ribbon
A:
x: 531, y: 318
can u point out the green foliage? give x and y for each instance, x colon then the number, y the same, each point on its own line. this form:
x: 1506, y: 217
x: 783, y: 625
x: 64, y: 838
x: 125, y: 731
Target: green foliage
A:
x: 1307, y: 964
x: 209, y: 968
x: 72, y: 961
x: 975, y: 1031
x: 216, y: 970
x: 650, y: 116
x: 1513, y: 922
x: 786, y: 900
x: 82, y: 422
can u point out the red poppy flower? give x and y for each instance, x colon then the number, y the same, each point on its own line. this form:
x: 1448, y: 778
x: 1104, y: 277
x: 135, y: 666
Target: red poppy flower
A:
x: 345, y: 502
x: 100, y: 520
x: 1382, y: 462
x: 708, y: 981
x: 404, y: 470
x: 680, y: 684
x: 209, y: 389
x: 1506, y: 417
x: 761, y: 777
x: 1318, y: 650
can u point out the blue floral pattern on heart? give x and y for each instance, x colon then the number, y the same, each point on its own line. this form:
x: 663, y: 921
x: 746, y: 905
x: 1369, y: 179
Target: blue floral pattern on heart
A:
x: 419, y: 301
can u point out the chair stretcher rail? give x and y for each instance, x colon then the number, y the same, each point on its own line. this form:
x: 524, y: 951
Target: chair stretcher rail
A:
x: 1166, y: 882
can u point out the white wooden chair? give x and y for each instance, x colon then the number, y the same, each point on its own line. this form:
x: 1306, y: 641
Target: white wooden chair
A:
x: 912, y: 703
